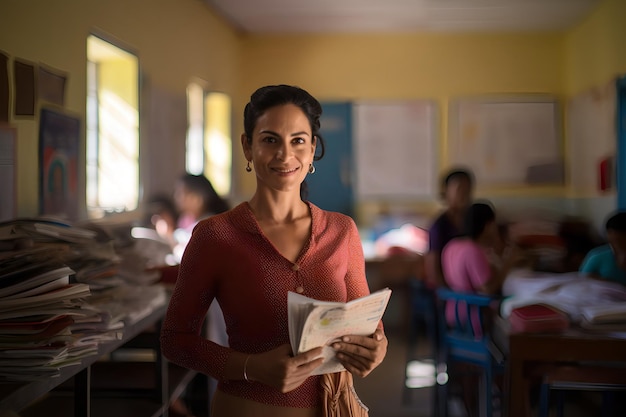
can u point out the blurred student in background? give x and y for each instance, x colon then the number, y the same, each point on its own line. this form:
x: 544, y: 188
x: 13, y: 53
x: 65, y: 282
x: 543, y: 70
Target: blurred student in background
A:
x: 479, y: 261
x: 195, y: 199
x: 456, y: 191
x: 608, y: 262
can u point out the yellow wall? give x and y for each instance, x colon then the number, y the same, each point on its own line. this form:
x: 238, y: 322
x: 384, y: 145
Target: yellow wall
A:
x: 176, y: 40
x: 405, y: 66
x: 595, y: 50
x: 181, y: 40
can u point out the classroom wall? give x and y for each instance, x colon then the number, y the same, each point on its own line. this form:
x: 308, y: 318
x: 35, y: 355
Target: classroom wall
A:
x: 181, y: 40
x: 595, y: 51
x: 437, y: 66
x: 595, y: 54
x: 176, y: 41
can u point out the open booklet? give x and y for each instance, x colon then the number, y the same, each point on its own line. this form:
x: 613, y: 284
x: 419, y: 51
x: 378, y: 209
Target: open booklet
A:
x: 314, y: 323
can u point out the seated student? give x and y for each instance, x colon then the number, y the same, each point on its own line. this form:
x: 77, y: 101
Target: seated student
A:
x: 456, y: 191
x: 195, y: 199
x: 608, y: 262
x: 477, y: 262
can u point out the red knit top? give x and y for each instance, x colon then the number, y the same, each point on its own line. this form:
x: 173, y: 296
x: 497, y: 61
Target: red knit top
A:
x: 229, y: 259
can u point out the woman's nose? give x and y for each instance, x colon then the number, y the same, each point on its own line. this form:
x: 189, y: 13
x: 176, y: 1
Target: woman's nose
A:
x: 283, y: 152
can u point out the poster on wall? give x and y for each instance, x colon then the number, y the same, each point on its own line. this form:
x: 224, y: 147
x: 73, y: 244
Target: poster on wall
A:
x: 8, y: 137
x: 59, y: 139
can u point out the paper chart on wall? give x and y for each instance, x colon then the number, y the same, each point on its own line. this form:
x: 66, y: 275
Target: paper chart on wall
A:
x: 395, y: 148
x: 513, y: 141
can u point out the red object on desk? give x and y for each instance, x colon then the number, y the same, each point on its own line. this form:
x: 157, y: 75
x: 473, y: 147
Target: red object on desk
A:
x: 537, y: 318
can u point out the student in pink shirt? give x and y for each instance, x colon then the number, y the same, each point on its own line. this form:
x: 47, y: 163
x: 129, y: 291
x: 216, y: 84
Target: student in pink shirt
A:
x: 478, y: 262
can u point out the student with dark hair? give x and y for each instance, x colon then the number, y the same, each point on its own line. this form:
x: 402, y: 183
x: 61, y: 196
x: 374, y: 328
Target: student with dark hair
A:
x: 473, y: 263
x: 250, y: 257
x: 608, y: 262
x: 196, y: 199
x: 456, y: 191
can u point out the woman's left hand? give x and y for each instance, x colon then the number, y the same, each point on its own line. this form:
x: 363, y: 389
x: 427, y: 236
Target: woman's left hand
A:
x: 361, y: 354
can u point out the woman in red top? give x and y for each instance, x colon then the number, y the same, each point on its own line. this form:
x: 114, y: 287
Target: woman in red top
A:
x: 248, y: 258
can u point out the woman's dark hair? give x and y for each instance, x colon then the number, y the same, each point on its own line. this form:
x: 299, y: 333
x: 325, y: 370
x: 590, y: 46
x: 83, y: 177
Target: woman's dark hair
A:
x: 200, y: 185
x: 270, y: 96
x: 477, y: 217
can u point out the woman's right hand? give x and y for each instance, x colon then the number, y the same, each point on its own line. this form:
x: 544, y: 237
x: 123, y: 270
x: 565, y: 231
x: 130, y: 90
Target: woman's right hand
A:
x: 279, y: 369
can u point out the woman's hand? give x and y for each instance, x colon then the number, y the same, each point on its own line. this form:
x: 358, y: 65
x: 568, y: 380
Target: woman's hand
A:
x: 279, y: 369
x: 361, y: 354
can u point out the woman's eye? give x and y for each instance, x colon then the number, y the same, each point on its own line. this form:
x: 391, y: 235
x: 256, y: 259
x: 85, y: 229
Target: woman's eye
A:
x: 299, y: 140
x: 269, y: 139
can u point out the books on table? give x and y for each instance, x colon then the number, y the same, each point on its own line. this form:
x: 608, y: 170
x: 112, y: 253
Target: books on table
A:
x: 314, y: 323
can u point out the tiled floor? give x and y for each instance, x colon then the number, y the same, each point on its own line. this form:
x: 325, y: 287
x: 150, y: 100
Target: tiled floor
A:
x: 384, y: 392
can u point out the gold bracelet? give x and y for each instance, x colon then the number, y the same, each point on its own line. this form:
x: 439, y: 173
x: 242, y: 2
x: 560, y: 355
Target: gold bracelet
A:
x: 245, y: 368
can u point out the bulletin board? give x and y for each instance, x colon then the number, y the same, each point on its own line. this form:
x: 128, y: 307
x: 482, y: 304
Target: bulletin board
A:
x: 508, y: 141
x: 395, y: 149
x: 592, y: 135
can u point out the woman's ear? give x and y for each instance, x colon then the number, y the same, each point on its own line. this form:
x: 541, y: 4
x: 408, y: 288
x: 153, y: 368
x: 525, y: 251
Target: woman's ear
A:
x: 246, y: 147
x: 314, y: 145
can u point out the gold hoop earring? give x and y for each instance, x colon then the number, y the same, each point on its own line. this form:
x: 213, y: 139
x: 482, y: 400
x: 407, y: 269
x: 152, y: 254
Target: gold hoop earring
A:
x: 248, y: 167
x: 311, y: 169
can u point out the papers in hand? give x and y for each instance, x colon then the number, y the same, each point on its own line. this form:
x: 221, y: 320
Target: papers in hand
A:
x: 314, y: 323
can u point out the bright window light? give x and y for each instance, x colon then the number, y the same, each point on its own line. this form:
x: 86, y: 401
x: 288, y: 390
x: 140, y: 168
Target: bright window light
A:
x: 112, y: 128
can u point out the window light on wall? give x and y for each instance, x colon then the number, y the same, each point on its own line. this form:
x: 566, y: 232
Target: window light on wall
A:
x: 209, y: 144
x: 112, y: 128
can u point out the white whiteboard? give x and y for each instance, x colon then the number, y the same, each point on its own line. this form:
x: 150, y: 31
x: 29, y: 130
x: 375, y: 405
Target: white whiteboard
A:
x: 507, y: 141
x: 591, y: 135
x: 394, y: 144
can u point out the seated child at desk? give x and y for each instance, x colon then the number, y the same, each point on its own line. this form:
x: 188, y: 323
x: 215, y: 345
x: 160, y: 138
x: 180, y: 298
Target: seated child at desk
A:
x: 608, y: 262
x: 477, y: 261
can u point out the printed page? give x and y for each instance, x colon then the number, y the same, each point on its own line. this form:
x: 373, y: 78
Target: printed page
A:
x: 327, y: 321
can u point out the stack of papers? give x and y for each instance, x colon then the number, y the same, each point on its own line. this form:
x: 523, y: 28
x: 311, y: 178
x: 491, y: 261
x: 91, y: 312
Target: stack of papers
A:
x: 39, y: 304
x: 610, y: 316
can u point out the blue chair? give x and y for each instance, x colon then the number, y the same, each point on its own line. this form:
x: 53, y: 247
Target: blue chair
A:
x: 462, y: 342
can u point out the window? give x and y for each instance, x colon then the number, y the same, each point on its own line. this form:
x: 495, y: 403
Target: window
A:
x: 112, y: 128
x: 209, y: 145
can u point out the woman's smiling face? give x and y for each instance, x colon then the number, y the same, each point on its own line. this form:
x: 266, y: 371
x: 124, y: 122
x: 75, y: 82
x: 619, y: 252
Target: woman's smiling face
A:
x: 282, y: 148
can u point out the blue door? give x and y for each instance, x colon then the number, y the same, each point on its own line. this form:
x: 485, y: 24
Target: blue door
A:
x: 621, y: 143
x: 330, y: 187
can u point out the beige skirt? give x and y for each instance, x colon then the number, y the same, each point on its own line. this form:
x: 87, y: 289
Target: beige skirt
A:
x: 225, y: 405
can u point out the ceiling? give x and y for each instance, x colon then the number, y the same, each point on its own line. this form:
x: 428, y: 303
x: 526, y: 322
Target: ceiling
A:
x: 337, y: 16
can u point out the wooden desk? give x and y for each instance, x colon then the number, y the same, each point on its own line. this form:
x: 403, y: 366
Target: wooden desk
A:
x: 526, y: 350
x: 15, y: 397
x: 393, y: 270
